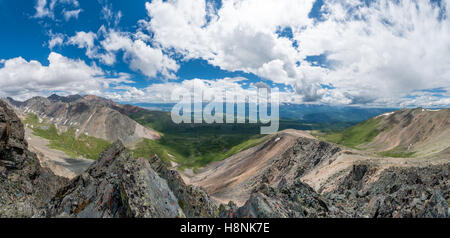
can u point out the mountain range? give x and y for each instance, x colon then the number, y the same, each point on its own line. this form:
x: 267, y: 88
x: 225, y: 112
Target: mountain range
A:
x: 395, y: 164
x: 89, y: 115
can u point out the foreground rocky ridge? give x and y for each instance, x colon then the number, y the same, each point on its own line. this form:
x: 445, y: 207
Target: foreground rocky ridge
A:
x: 397, y: 193
x: 116, y: 185
x: 194, y: 201
x: 24, y: 185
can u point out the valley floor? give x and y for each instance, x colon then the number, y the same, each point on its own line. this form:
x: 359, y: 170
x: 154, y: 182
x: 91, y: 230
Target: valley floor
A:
x: 56, y: 160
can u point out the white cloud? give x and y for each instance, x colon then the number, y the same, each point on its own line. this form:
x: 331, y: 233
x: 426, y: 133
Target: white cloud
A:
x: 383, y: 51
x: 41, y: 9
x: 71, y: 14
x: 55, y: 40
x: 46, y: 8
x: 162, y: 92
x: 140, y: 56
x: 23, y: 79
x: 241, y: 35
x: 111, y: 17
x: 376, y: 53
x: 85, y: 40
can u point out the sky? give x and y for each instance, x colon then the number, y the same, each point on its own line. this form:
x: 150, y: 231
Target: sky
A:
x: 338, y: 52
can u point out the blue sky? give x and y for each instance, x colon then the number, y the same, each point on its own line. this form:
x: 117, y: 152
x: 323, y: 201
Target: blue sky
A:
x: 314, y: 51
x: 28, y: 37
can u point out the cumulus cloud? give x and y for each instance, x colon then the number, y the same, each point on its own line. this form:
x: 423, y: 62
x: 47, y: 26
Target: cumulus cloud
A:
x: 45, y: 8
x: 241, y: 35
x: 112, y: 18
x: 383, y: 50
x: 55, y: 40
x: 210, y: 88
x: 42, y: 10
x: 23, y: 79
x: 71, y: 14
x: 141, y: 57
x: 85, y: 40
x: 375, y: 51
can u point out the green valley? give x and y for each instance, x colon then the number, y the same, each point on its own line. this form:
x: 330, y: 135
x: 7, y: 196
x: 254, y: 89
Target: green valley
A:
x: 67, y: 141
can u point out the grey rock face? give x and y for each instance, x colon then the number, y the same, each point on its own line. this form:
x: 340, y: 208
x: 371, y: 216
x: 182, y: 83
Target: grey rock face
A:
x: 116, y: 186
x: 24, y: 185
x: 399, y: 192
x: 297, y: 200
x: 194, y: 201
x: 305, y: 155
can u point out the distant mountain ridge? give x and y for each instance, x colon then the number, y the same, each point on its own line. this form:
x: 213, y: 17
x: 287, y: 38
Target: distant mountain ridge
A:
x: 306, y: 112
x: 407, y: 132
x: 419, y: 131
x: 90, y: 115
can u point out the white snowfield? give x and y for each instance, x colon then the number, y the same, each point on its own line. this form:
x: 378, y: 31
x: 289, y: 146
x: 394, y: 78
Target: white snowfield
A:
x: 385, y: 114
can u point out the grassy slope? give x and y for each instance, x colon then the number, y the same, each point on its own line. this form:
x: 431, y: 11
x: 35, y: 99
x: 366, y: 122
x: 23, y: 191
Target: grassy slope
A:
x: 395, y: 153
x: 363, y: 133
x: 355, y: 135
x: 85, y: 146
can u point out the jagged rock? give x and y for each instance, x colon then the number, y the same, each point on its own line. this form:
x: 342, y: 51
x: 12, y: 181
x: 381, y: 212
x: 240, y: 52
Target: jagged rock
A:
x: 116, y: 186
x: 294, y: 201
x: 302, y: 157
x: 24, y: 185
x: 228, y: 210
x: 398, y: 192
x: 194, y: 201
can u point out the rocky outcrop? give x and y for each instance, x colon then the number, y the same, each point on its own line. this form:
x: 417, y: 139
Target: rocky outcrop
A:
x: 24, y: 185
x: 302, y: 157
x: 281, y: 194
x: 194, y: 201
x: 116, y: 186
x: 297, y: 200
x: 398, y: 192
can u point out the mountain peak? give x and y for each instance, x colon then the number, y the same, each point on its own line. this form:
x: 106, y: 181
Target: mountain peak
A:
x: 70, y: 98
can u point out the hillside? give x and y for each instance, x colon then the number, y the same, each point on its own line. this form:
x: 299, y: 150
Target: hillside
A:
x: 405, y: 133
x: 88, y: 116
x: 356, y: 179
x: 294, y: 175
